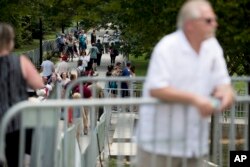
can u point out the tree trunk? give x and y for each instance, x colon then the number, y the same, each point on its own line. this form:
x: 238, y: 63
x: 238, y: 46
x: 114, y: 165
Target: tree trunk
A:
x: 62, y: 27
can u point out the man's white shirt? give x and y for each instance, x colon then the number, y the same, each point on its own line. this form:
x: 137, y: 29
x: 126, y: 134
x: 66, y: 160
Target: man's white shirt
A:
x: 105, y: 38
x: 62, y: 67
x: 48, y: 67
x: 176, y: 129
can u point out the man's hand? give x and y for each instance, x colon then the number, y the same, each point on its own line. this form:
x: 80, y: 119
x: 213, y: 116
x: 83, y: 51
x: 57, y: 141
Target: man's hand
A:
x: 225, y: 94
x: 204, y: 106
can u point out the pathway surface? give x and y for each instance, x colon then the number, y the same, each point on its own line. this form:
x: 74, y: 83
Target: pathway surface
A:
x: 102, y: 69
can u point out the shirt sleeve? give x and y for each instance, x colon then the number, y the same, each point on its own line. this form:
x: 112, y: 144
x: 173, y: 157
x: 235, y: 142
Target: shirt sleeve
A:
x: 159, y: 75
x: 220, y: 72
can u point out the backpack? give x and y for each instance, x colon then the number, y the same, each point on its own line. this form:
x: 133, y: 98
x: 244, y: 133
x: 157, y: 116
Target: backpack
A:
x: 112, y: 85
x: 100, y: 47
x: 115, y: 52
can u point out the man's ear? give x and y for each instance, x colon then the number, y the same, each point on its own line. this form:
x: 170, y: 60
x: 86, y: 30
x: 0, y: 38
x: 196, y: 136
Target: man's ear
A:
x: 188, y: 26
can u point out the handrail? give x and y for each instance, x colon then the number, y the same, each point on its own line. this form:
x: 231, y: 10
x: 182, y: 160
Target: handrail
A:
x: 63, y: 103
x: 100, y: 79
x: 81, y: 102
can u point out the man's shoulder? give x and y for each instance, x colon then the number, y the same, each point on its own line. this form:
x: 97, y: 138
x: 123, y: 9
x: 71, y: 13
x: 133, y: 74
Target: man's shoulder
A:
x: 213, y: 42
x: 168, y: 40
x: 50, y: 62
x: 64, y: 63
x: 45, y: 62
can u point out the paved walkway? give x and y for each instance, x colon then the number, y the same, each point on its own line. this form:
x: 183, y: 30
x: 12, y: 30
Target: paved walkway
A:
x: 102, y: 69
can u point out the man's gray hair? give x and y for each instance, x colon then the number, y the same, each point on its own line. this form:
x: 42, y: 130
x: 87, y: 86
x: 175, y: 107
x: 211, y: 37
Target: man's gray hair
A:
x: 190, y: 10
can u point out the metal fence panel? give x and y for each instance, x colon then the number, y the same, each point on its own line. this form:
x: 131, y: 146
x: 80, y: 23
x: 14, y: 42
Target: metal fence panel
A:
x: 229, y: 133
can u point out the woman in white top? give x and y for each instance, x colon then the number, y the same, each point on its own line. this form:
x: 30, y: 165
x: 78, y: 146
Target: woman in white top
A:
x: 85, y: 59
x: 65, y: 79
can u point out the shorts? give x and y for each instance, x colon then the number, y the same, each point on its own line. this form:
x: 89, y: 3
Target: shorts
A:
x: 93, y: 60
x: 83, y: 46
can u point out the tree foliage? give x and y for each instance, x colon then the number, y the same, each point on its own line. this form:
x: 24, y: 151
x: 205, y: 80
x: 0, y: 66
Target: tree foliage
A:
x: 142, y: 23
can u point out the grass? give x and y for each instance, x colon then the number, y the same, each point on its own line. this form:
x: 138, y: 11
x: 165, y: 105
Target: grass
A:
x: 50, y: 36
x: 113, y: 163
x: 24, y: 48
x: 35, y: 43
x: 141, y: 65
x: 240, y: 87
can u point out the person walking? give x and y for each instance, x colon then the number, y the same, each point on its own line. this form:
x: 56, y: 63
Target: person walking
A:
x: 82, y: 41
x: 63, y: 66
x: 192, y: 71
x: 113, y: 53
x: 93, y: 37
x: 100, y: 49
x: 16, y: 74
x: 47, y: 67
x: 105, y: 42
x: 93, y: 51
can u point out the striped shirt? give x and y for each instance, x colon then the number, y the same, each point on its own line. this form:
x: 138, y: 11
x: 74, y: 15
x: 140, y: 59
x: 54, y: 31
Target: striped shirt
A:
x: 13, y: 87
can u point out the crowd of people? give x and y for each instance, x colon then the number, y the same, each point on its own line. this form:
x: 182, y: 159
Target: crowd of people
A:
x: 74, y: 46
x: 193, y: 70
x: 125, y: 86
x: 21, y: 81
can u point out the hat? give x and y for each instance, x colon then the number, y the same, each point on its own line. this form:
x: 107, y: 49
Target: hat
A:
x: 128, y: 63
x: 64, y: 58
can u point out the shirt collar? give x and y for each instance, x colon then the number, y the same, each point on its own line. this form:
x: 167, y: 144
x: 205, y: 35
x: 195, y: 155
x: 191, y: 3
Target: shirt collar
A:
x: 184, y: 41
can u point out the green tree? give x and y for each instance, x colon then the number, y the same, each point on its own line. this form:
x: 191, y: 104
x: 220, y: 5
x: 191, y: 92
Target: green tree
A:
x: 144, y: 23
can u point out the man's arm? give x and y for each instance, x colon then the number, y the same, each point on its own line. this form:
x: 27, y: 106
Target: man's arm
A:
x: 171, y: 94
x: 97, y: 50
x: 30, y: 74
x: 89, y: 52
x: 226, y: 94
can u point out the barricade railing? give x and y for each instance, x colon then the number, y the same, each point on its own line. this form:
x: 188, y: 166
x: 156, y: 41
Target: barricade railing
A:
x: 135, y: 86
x: 221, y: 141
x: 239, y: 110
x: 120, y: 82
x: 43, y: 117
x: 34, y: 55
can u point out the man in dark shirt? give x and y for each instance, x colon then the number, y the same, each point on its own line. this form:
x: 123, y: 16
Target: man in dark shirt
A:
x: 125, y: 85
x: 93, y: 37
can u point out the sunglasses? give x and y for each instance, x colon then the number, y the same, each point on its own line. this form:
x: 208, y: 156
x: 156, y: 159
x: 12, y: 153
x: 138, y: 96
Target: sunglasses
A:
x: 208, y: 20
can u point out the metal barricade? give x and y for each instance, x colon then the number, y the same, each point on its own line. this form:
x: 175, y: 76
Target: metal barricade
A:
x: 34, y: 55
x: 122, y: 151
x: 111, y: 138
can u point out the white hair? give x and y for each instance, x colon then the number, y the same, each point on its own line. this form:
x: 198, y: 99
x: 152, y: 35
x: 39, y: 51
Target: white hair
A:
x: 190, y: 10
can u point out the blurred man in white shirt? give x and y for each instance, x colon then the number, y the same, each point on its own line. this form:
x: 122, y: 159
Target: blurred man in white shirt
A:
x: 187, y: 68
